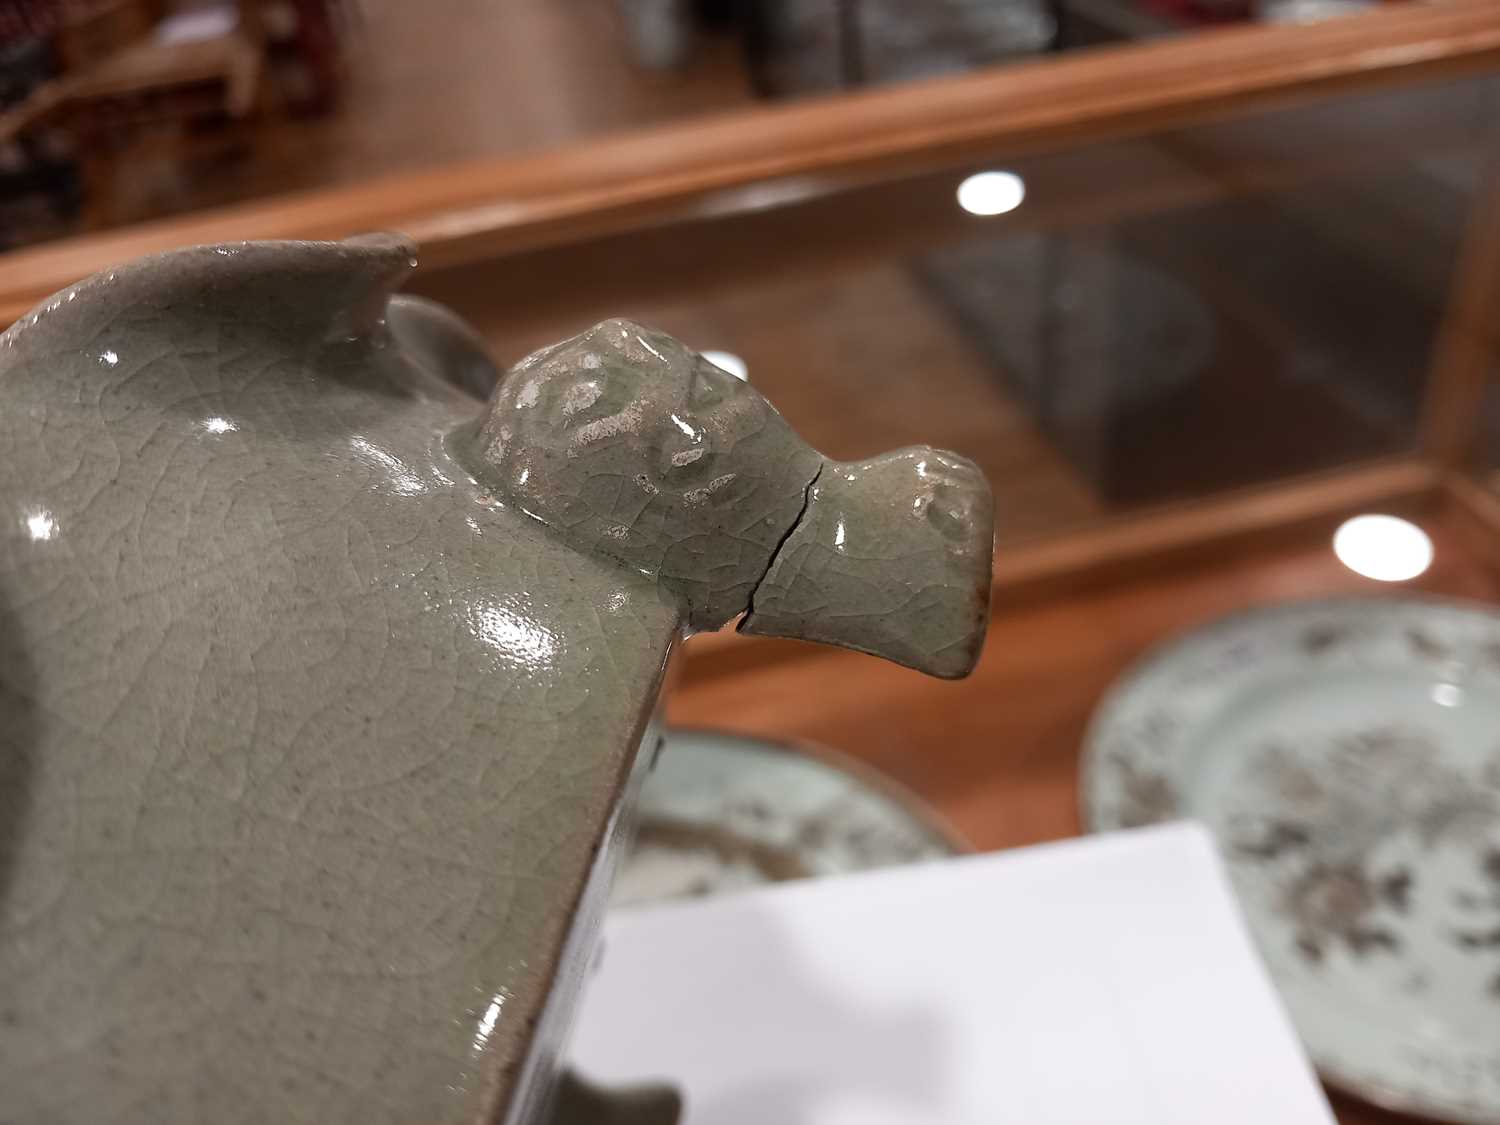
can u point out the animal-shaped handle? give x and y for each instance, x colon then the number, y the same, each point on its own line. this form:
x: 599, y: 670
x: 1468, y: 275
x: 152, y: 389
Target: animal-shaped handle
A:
x: 629, y: 444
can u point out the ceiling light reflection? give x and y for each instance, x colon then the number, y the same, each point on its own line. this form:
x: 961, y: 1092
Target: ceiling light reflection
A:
x: 728, y: 361
x: 41, y: 526
x: 991, y: 193
x: 1385, y: 548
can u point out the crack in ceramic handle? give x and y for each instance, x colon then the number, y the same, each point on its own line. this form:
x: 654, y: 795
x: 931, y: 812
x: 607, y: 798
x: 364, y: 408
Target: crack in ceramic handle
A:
x: 628, y: 444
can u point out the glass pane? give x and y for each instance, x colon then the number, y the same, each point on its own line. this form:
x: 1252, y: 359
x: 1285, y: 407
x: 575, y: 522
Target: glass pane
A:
x: 1156, y: 319
x: 115, y: 113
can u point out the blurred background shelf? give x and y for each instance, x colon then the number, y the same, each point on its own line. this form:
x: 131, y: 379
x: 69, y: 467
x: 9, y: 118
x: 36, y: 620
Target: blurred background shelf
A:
x: 212, y: 102
x: 722, y: 164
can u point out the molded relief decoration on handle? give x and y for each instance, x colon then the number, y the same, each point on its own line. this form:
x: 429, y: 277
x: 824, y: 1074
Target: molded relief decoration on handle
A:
x: 629, y: 444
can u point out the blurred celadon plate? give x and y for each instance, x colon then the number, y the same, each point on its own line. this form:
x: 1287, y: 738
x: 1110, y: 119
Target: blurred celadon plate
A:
x: 1346, y: 755
x: 721, y: 812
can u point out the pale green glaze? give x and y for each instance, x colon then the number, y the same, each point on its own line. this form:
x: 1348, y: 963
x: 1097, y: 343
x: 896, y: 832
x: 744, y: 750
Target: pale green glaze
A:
x: 892, y: 557
x: 634, y: 447
x: 312, y: 745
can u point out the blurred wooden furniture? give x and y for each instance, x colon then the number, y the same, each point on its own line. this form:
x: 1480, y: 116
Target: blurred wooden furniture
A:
x: 89, y: 31
x: 526, y: 75
x: 230, y: 61
x: 19, y: 118
x: 475, y: 211
x: 128, y: 93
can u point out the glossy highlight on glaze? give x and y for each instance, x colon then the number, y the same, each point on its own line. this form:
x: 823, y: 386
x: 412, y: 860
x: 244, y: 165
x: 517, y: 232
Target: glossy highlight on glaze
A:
x: 891, y: 557
x: 630, y: 445
x: 322, y: 682
x: 305, y: 741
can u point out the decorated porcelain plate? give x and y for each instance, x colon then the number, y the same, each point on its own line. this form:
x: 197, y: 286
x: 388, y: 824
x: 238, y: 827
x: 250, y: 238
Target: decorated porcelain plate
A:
x: 721, y: 812
x: 1346, y: 754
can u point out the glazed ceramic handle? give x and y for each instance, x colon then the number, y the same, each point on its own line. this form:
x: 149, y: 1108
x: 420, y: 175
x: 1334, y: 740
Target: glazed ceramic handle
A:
x: 630, y: 445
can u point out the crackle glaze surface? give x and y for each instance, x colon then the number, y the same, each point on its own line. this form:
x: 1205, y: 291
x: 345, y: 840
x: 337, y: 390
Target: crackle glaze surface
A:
x: 1347, y: 756
x: 321, y: 682
x: 307, y: 741
x: 882, y: 561
x: 637, y: 448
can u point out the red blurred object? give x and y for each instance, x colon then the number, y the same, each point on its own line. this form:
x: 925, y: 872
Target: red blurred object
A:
x: 24, y: 20
x: 1197, y: 12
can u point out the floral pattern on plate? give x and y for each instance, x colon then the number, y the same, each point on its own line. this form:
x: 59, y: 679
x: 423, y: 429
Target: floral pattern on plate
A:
x: 1346, y: 755
x: 722, y: 812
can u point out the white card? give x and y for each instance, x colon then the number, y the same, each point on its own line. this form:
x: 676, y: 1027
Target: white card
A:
x: 1107, y: 979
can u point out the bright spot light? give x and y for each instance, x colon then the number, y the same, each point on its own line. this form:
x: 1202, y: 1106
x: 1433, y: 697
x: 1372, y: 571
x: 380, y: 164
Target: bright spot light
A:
x: 513, y: 635
x: 728, y: 361
x: 991, y: 193
x: 1383, y: 547
x: 218, y: 425
x: 108, y: 357
x: 487, y: 1023
x: 398, y: 475
x: 1447, y: 695
x: 41, y: 525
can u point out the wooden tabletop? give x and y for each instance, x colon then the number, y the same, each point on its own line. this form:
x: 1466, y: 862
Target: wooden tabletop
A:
x: 998, y: 753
